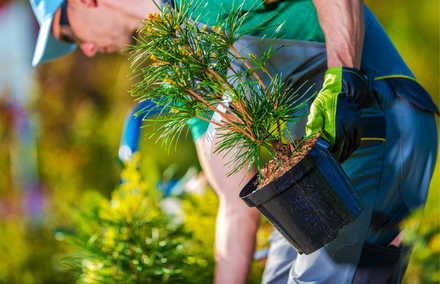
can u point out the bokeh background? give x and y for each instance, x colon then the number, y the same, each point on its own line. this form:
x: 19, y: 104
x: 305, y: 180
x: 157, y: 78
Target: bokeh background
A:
x: 60, y: 129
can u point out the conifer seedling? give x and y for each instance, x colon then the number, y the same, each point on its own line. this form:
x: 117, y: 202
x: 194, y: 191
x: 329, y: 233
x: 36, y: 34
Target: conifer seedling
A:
x: 191, y: 76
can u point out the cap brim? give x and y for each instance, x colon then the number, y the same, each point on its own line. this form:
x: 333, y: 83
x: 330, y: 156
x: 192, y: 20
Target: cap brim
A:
x: 47, y: 46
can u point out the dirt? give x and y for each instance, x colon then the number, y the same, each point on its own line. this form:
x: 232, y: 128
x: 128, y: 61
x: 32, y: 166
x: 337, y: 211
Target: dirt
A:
x: 273, y: 170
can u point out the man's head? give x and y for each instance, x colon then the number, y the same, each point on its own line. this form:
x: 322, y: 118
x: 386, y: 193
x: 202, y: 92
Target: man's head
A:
x: 96, y: 25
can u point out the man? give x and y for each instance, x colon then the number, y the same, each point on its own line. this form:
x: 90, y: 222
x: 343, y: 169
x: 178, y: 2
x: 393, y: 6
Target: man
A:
x: 389, y: 151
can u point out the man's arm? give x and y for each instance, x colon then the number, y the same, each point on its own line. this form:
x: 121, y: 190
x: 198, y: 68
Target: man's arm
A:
x: 342, y: 22
x: 336, y: 109
x: 236, y: 225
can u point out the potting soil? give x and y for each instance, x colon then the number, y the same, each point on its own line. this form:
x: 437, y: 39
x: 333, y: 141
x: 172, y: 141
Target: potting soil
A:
x: 273, y: 170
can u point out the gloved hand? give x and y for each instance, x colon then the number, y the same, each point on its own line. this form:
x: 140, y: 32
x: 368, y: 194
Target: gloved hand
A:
x: 336, y: 110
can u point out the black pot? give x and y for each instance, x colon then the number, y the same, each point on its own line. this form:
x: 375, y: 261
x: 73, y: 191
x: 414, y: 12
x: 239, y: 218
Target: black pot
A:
x: 309, y: 203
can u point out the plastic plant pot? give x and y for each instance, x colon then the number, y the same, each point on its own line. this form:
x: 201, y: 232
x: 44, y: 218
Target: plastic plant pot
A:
x: 309, y: 203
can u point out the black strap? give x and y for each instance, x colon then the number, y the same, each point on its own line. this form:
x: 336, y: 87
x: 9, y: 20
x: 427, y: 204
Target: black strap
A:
x: 63, y: 19
x: 380, y: 220
x: 373, y: 127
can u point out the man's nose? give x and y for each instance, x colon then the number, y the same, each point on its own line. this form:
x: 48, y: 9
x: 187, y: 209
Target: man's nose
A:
x: 89, y: 48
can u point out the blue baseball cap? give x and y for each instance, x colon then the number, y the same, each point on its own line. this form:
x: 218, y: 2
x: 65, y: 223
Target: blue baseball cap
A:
x: 47, y: 46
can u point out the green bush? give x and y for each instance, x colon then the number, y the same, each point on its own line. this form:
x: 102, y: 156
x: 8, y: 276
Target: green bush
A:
x: 422, y: 230
x: 130, y: 239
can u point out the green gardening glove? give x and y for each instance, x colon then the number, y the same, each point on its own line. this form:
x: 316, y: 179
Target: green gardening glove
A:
x: 336, y: 110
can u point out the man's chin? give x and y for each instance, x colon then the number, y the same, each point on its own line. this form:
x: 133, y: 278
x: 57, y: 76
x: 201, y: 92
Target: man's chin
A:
x: 133, y: 38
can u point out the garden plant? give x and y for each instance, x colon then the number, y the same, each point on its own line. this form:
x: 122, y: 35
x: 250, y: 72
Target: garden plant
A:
x: 192, y: 77
x: 131, y: 239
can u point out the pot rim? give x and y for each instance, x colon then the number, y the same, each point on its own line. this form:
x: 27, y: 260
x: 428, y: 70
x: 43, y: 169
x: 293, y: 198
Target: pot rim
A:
x: 277, y: 186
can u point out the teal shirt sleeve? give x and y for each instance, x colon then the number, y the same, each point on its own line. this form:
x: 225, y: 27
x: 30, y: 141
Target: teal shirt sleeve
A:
x: 198, y: 127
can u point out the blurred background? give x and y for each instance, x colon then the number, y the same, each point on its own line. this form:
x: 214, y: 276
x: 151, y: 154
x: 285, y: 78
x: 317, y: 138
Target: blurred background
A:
x: 60, y: 174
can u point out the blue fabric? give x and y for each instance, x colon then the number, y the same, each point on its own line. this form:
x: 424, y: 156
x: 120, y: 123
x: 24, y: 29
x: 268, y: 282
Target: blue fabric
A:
x: 132, y: 128
x: 47, y: 46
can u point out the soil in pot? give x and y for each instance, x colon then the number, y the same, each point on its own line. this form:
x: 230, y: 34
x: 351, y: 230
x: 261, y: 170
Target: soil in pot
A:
x: 272, y: 169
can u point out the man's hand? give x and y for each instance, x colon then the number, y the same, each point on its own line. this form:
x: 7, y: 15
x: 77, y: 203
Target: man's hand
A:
x: 336, y: 110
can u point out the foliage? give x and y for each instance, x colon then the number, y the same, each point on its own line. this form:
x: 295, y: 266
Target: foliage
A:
x: 29, y: 253
x: 189, y: 78
x: 130, y: 239
x: 77, y: 119
x: 422, y: 230
x: 200, y: 212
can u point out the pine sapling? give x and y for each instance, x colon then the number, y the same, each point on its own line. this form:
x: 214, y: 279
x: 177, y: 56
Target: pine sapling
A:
x: 191, y: 76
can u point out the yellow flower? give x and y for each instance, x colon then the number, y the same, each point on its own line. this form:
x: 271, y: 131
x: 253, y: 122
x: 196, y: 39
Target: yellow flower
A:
x: 173, y: 110
x: 167, y: 81
x: 216, y: 29
x: 153, y: 57
x: 203, y: 28
x: 213, y: 55
x: 154, y: 17
x: 252, y: 56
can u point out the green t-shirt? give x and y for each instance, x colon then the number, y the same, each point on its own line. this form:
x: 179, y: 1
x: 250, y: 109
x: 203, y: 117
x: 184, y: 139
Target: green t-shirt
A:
x: 300, y: 17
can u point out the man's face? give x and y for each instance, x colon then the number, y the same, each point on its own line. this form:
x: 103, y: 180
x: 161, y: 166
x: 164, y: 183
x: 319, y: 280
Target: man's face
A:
x: 101, y: 25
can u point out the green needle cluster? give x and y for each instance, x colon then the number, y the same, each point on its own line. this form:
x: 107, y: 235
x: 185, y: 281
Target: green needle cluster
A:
x: 192, y: 74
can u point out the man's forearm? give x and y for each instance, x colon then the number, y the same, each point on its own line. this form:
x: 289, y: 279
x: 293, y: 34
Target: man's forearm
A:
x: 236, y: 224
x: 342, y: 22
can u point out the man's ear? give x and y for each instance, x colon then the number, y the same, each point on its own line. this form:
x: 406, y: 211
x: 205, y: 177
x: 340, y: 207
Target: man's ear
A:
x: 89, y: 49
